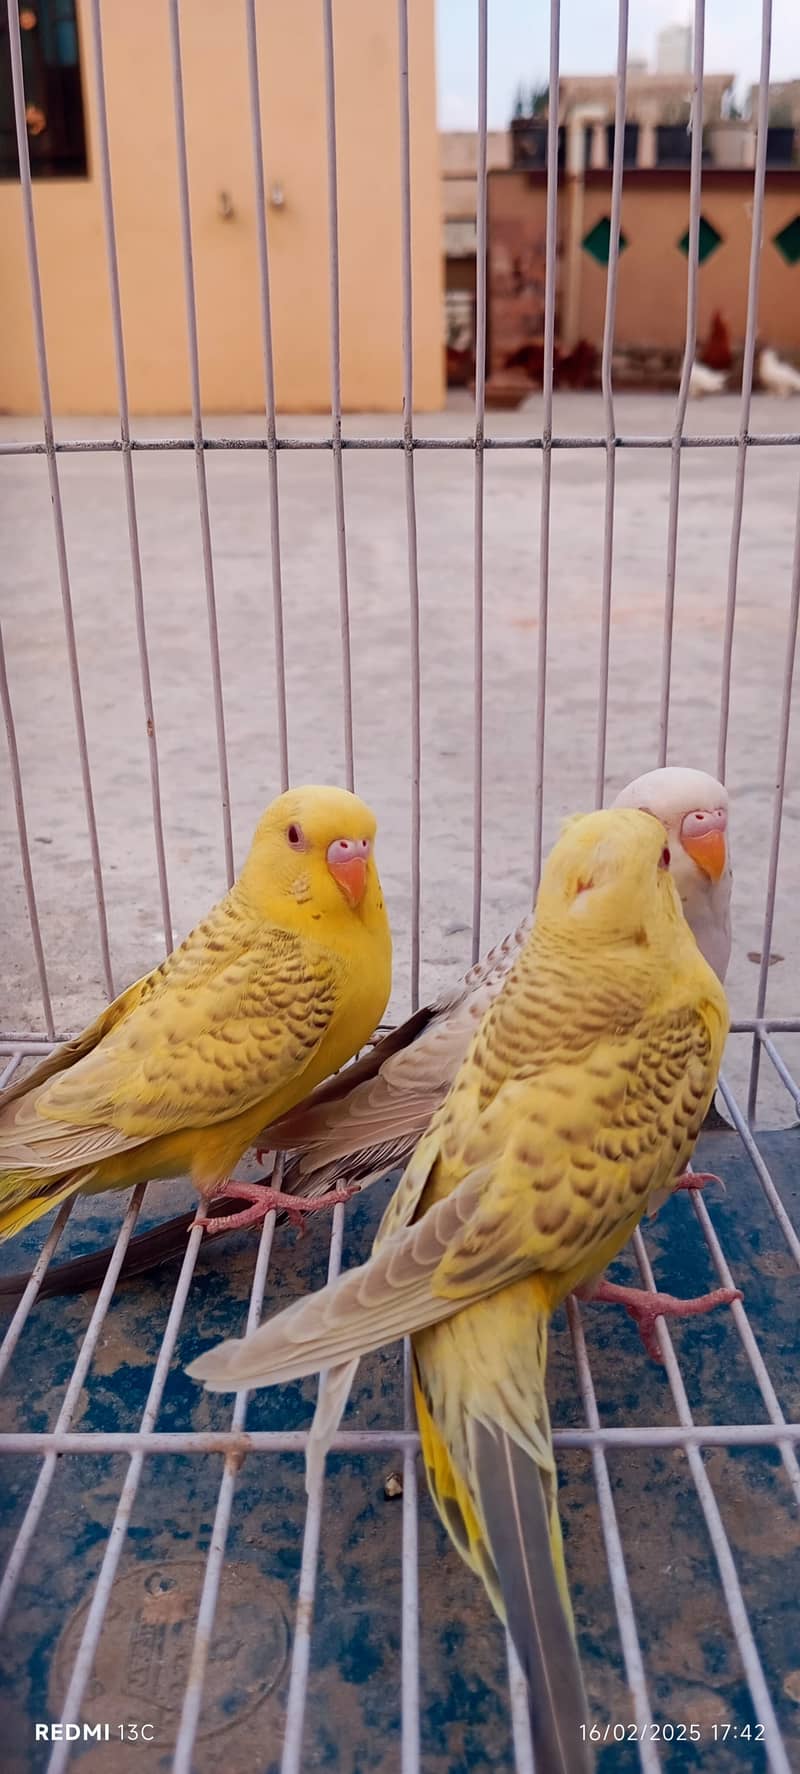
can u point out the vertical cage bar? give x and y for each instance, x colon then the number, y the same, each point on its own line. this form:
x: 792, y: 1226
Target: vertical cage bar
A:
x: 197, y: 429
x: 781, y: 1068
x: 24, y: 846
x: 759, y: 179
x: 615, y: 1558
x: 409, y: 1662
x: 292, y: 1758
x: 551, y: 240
x: 777, y: 1759
x: 269, y: 392
x: 609, y: 326
x: 480, y: 460
x: 194, y: 1692
x: 115, y: 1544
x: 37, y: 310
x: 17, y: 1324
x: 519, y: 1704
x: 11, y: 1066
x: 690, y: 346
x: 777, y: 814
x: 411, y: 503
x: 33, y: 1513
x: 336, y: 386
x: 760, y: 1168
x: 127, y: 470
x: 748, y: 1341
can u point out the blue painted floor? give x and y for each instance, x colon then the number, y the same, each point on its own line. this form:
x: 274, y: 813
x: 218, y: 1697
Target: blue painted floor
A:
x: 354, y: 1691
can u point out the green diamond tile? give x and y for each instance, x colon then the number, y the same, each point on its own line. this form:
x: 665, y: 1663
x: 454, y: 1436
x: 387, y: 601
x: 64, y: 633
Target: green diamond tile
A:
x: 598, y: 241
x: 788, y: 241
x: 709, y: 238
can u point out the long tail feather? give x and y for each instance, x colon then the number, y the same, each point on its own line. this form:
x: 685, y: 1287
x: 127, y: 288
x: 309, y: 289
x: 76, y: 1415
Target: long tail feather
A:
x: 516, y: 1513
x: 163, y: 1243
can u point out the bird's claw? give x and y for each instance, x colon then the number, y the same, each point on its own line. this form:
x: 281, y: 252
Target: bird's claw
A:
x: 646, y: 1308
x: 263, y: 1200
x: 297, y: 1208
x: 695, y: 1180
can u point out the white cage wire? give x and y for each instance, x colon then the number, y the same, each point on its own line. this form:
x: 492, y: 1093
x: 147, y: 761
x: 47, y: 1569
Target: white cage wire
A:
x: 147, y: 1442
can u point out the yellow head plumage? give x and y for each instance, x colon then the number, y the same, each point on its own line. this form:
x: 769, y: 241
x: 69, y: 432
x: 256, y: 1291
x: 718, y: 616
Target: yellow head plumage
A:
x: 608, y: 879
x: 313, y: 853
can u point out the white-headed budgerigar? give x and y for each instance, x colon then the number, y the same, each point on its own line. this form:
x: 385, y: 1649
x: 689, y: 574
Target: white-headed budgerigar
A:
x: 580, y: 1096
x: 276, y: 988
x: 368, y: 1120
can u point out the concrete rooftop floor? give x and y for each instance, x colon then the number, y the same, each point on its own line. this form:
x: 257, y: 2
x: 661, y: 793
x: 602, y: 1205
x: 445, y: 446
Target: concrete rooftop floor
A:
x: 93, y: 499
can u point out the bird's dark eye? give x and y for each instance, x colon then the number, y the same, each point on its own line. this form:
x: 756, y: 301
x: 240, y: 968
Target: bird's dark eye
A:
x: 665, y: 858
x: 295, y: 836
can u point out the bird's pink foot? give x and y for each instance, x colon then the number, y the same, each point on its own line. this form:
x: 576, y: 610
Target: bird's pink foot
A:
x: 645, y: 1308
x: 697, y: 1179
x: 264, y: 1200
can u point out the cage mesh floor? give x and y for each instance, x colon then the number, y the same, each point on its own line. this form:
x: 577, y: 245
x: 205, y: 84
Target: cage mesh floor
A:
x: 235, y: 1597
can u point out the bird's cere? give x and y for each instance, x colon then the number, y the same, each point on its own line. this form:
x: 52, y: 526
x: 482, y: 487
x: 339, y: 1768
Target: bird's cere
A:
x: 347, y: 860
x: 703, y: 838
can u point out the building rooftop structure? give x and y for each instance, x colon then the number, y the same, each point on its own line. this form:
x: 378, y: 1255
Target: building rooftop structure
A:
x: 674, y: 49
x: 784, y: 103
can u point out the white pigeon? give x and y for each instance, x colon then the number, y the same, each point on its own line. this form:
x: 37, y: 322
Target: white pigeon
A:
x: 704, y: 380
x: 777, y: 377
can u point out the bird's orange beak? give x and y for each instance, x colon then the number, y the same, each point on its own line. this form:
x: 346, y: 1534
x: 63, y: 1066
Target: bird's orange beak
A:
x: 347, y: 860
x: 703, y: 838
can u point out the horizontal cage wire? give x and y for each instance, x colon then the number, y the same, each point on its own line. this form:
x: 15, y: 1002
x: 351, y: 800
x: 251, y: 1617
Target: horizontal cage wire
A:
x: 164, y: 1563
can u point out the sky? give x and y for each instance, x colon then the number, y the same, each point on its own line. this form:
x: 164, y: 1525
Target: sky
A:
x: 519, y: 38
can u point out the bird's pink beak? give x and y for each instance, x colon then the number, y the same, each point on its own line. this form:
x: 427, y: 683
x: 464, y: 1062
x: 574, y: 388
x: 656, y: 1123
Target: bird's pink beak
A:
x: 347, y: 860
x: 703, y: 838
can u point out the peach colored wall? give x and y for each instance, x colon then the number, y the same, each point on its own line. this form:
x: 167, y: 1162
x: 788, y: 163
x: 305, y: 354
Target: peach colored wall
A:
x: 651, y: 293
x: 141, y: 125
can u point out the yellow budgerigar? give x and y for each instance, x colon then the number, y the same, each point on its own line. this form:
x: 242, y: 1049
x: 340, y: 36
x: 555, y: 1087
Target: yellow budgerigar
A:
x: 580, y: 1097
x: 279, y: 985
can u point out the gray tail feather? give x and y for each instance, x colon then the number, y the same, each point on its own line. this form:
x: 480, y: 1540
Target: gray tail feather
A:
x: 514, y: 1506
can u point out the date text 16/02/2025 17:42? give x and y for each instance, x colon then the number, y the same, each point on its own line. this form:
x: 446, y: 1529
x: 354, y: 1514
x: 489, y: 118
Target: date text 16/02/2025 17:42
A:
x: 653, y: 1732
